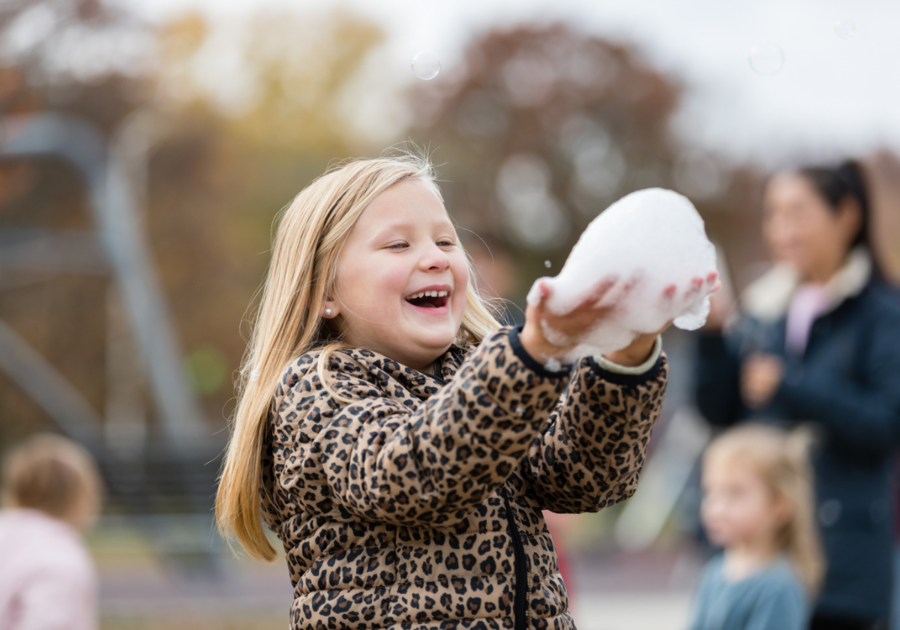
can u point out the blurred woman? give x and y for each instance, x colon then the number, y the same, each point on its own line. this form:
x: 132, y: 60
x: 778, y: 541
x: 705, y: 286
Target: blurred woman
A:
x: 51, y: 493
x: 818, y: 341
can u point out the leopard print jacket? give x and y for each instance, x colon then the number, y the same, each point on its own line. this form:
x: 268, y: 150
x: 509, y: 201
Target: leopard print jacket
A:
x: 416, y: 503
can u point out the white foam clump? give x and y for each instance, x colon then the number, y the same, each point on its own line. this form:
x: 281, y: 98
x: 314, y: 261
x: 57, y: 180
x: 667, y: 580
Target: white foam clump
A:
x: 652, y: 239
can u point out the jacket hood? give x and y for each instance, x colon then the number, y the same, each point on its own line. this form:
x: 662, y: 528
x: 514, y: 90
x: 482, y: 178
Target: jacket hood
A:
x: 769, y: 297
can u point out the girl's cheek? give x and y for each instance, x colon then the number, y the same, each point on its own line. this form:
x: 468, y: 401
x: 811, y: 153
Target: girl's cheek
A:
x: 460, y: 277
x: 392, y: 277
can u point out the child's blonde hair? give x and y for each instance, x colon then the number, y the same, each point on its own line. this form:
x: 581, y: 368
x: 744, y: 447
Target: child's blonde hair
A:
x: 781, y: 459
x: 56, y: 476
x: 302, y: 272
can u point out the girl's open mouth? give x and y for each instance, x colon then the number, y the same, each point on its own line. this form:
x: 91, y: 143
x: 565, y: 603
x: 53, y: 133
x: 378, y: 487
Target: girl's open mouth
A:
x: 429, y: 299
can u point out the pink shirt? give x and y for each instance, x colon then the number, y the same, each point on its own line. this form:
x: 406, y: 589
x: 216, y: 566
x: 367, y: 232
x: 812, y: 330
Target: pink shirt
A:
x: 809, y: 302
x: 47, y: 578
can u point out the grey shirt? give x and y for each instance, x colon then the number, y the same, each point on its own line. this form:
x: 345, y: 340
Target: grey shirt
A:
x: 771, y: 599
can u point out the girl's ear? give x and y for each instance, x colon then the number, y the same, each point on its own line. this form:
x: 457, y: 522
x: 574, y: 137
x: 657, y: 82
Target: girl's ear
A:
x: 330, y: 308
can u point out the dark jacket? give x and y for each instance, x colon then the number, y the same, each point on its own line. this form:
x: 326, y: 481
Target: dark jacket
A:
x: 847, y: 384
x: 405, y: 500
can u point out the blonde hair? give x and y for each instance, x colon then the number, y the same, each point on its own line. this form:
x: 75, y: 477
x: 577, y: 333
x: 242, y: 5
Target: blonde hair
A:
x: 781, y: 459
x: 302, y: 272
x: 56, y: 476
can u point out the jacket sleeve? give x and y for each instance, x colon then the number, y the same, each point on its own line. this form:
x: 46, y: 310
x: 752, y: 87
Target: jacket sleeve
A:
x: 717, y: 379
x: 863, y: 415
x: 591, y: 452
x: 374, y: 458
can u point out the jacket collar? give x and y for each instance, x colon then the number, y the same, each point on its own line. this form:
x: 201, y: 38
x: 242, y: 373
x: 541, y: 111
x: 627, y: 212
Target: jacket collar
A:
x: 420, y: 384
x: 769, y: 297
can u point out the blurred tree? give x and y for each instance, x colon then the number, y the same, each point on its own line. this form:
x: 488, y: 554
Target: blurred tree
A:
x: 541, y: 128
x: 883, y: 170
x: 82, y: 56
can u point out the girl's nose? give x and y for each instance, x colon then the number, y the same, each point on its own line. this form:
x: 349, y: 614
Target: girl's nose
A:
x: 435, y: 259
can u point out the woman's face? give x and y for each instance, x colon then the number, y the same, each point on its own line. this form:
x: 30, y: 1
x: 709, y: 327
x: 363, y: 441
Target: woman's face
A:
x: 801, y: 229
x: 738, y: 508
x: 402, y: 277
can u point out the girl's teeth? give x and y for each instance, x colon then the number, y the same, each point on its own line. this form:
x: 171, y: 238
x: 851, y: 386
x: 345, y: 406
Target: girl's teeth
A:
x: 428, y: 294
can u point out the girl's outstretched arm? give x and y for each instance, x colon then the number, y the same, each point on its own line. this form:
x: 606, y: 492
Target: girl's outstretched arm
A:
x: 373, y: 457
x: 591, y: 452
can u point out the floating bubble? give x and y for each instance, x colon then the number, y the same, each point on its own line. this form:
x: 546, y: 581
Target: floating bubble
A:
x: 426, y: 65
x: 766, y: 58
x: 548, y: 264
x: 845, y: 28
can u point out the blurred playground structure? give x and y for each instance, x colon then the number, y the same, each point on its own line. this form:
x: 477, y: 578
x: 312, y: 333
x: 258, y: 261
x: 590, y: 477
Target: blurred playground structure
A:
x: 137, y: 194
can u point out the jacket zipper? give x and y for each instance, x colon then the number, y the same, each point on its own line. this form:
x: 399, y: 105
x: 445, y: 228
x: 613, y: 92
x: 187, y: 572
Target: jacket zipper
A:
x: 521, y: 573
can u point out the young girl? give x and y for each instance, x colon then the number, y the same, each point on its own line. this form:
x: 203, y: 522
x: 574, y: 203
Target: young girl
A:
x: 402, y: 445
x: 51, y: 493
x: 758, y: 505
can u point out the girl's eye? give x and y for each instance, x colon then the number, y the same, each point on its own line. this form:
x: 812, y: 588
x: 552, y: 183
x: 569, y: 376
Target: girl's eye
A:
x: 446, y: 243
x: 398, y: 246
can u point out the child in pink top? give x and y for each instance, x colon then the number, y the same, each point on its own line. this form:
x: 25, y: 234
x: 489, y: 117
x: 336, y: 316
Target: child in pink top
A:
x: 51, y: 492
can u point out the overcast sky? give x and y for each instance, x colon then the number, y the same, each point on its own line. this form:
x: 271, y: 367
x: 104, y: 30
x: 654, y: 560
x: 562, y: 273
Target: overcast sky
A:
x: 832, y: 96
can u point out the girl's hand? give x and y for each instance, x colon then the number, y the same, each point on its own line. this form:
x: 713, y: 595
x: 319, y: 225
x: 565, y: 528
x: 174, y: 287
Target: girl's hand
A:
x: 606, y: 297
x: 761, y: 375
x: 600, y: 303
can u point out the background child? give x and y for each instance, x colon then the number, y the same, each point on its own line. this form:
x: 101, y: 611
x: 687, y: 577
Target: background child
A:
x: 397, y: 440
x: 51, y: 492
x: 757, y: 504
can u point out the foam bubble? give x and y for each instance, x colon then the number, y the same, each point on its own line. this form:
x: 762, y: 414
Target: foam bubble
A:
x: 653, y: 246
x: 548, y: 264
x: 766, y: 58
x: 426, y: 65
x: 845, y: 28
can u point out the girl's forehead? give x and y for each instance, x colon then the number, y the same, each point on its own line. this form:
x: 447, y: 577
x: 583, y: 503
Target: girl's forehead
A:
x: 729, y: 464
x: 408, y: 203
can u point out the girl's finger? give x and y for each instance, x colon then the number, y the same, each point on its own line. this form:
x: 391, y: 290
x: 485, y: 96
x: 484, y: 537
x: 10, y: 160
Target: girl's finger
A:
x: 694, y: 287
x: 537, y: 299
x: 600, y: 289
x: 613, y: 298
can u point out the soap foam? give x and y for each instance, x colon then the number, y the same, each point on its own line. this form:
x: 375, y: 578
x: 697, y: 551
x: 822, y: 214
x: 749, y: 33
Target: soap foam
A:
x: 653, y: 241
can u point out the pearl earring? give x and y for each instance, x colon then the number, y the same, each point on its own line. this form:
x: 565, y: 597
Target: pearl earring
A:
x: 328, y: 312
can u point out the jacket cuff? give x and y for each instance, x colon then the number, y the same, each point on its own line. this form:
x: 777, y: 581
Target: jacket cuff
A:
x: 623, y: 375
x: 514, y: 380
x: 609, y: 366
x: 533, y: 364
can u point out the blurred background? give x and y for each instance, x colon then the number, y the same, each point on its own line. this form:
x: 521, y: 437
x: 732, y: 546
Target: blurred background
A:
x: 147, y: 145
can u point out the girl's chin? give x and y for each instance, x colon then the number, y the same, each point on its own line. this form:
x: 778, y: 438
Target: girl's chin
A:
x: 718, y: 539
x: 431, y: 338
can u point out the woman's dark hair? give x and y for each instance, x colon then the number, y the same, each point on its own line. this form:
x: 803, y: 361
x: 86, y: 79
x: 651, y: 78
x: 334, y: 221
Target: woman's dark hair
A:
x: 839, y: 183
